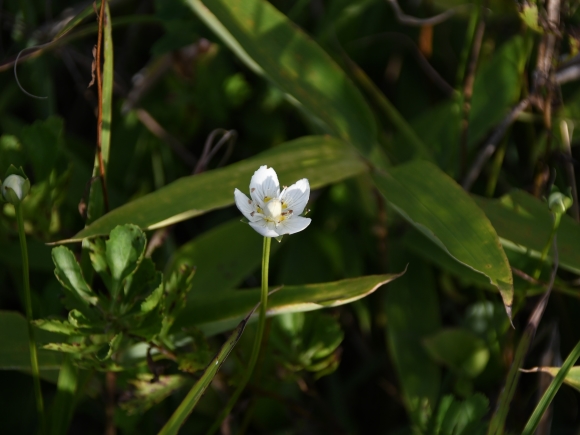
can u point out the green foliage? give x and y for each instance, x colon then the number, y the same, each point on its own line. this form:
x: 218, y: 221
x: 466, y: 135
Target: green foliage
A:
x: 386, y: 120
x: 307, y: 342
x: 138, y: 306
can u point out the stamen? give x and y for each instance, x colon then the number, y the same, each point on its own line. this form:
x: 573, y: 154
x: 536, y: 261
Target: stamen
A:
x: 252, y: 189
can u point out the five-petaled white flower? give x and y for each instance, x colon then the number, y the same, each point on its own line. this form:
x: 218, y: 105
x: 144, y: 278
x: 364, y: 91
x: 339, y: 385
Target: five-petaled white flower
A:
x: 273, y: 213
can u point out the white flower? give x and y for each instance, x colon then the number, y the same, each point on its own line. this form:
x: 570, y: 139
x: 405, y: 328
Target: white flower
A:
x: 273, y: 213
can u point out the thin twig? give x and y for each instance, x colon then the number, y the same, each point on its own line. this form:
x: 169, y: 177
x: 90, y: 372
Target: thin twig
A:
x: 418, y: 22
x: 101, y: 19
x: 422, y: 61
x: 111, y: 387
x: 544, y: 78
x: 538, y: 312
x: 228, y: 136
x: 468, y: 86
x: 488, y: 150
x: 16, y: 73
x: 154, y: 127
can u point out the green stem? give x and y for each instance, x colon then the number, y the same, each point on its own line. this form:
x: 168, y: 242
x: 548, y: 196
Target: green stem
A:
x: 546, y: 249
x: 550, y: 393
x: 28, y: 307
x: 257, y: 339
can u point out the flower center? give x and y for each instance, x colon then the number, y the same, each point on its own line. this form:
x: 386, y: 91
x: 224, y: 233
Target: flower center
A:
x: 274, y: 208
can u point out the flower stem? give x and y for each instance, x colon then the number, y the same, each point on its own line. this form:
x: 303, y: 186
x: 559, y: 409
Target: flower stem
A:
x: 28, y: 307
x: 257, y: 339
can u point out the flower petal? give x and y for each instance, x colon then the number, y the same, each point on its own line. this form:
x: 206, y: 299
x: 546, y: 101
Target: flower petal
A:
x: 293, y: 225
x: 264, y: 228
x: 245, y: 206
x: 296, y: 196
x: 264, y: 184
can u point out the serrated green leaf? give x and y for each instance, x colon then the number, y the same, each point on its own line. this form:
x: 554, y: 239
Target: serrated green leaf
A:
x: 79, y: 348
x: 321, y: 159
x: 68, y: 273
x: 111, y: 349
x: 97, y: 254
x: 153, y: 299
x: 438, y: 207
x: 125, y: 249
x: 175, y: 295
x: 58, y: 326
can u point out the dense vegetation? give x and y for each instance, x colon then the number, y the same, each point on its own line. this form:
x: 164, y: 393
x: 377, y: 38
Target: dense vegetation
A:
x: 443, y: 251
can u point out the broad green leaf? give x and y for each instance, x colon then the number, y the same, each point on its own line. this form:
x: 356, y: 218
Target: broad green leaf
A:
x: 438, y: 207
x: 321, y: 159
x: 408, y: 323
x: 497, y: 87
x: 459, y: 349
x: 125, y: 249
x: 524, y: 223
x: 68, y: 273
x: 422, y: 246
x: 221, y: 312
x: 15, y: 353
x: 223, y: 256
x: 572, y: 377
x: 276, y: 48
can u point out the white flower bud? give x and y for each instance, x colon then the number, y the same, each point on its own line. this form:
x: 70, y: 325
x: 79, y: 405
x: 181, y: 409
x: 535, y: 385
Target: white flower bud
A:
x: 15, y: 188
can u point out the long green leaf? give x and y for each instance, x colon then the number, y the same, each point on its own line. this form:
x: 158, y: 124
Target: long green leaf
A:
x: 214, y: 313
x: 572, y: 378
x: 274, y: 47
x: 321, y: 159
x: 437, y: 206
x: 524, y: 223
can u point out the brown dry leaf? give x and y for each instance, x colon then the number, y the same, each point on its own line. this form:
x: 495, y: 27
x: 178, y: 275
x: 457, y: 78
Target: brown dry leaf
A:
x: 93, y: 67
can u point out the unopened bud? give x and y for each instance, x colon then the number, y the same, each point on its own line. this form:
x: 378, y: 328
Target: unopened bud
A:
x: 559, y: 203
x: 15, y: 188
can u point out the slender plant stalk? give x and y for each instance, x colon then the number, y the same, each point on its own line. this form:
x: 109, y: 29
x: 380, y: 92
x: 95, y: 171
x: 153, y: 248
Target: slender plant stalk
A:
x: 550, y: 393
x: 257, y: 340
x: 28, y: 307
